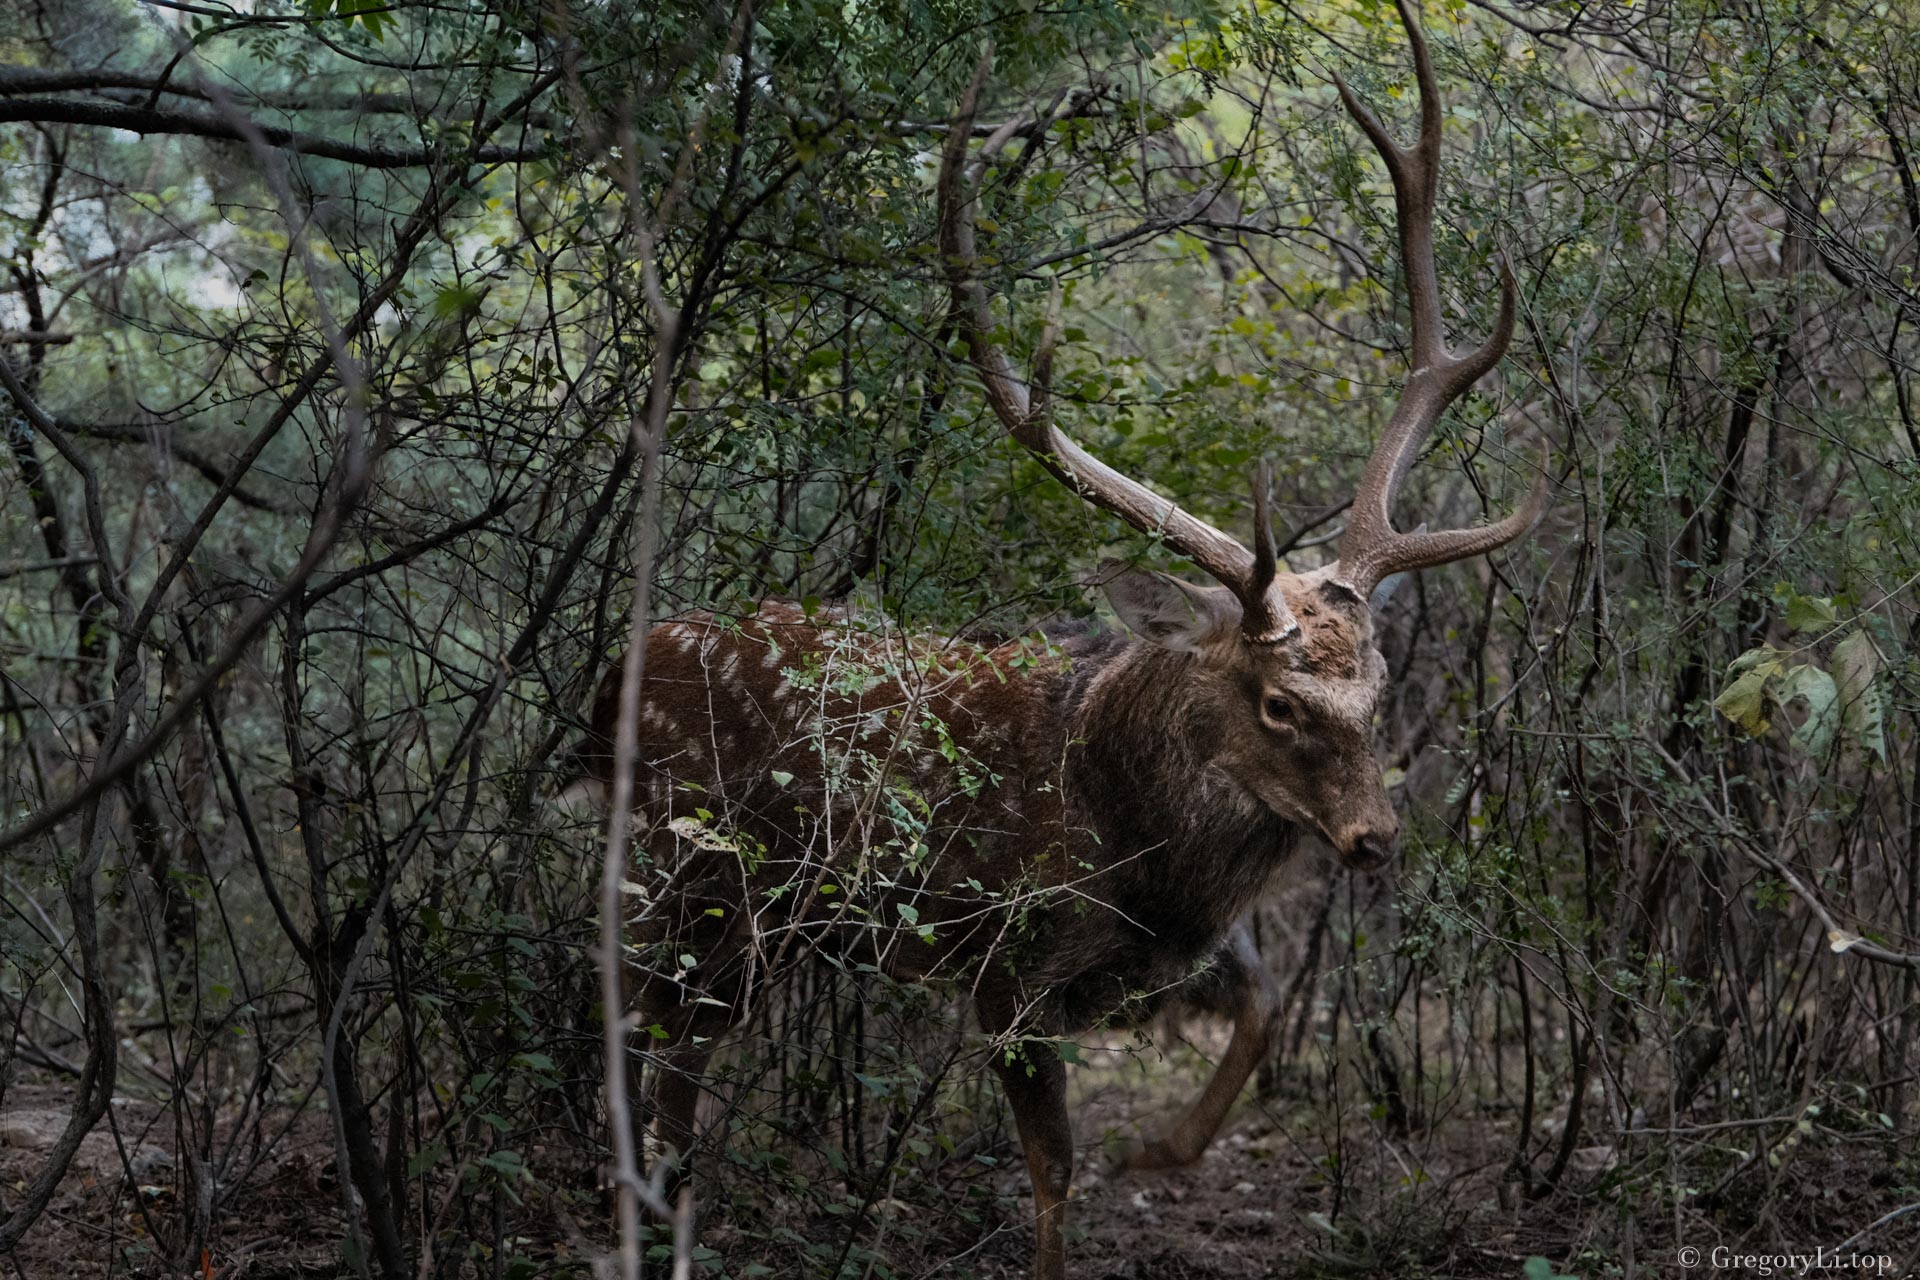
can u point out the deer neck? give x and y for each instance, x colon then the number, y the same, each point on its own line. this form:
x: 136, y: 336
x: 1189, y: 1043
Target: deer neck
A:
x: 1181, y: 837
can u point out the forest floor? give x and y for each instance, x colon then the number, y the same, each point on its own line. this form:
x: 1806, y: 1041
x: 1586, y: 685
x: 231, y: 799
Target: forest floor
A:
x: 1270, y: 1199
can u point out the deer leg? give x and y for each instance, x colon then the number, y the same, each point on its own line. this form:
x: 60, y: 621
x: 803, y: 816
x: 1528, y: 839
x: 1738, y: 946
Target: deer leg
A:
x: 680, y: 1025
x: 666, y: 1102
x: 1035, y: 1080
x: 1036, y: 1083
x: 1238, y: 983
x: 673, y: 1104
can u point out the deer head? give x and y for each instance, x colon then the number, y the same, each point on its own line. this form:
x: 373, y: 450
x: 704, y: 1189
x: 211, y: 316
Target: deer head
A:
x: 1285, y: 663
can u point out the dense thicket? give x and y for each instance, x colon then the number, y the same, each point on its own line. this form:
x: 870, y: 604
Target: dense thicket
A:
x: 333, y: 335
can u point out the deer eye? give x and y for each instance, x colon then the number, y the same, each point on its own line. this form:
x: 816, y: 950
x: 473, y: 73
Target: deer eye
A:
x: 1277, y: 709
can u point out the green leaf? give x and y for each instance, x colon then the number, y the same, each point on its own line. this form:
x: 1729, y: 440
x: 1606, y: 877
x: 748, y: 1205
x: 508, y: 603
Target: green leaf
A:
x: 456, y: 300
x: 1537, y: 1268
x: 509, y: 1164
x: 1855, y: 660
x: 425, y: 1158
x: 1806, y: 613
x: 910, y: 914
x: 1816, y: 688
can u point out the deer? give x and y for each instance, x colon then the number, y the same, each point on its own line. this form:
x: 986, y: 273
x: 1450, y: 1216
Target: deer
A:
x: 1070, y: 829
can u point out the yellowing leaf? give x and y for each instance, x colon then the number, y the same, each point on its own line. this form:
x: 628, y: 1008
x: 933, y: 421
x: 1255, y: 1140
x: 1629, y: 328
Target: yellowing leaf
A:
x: 701, y: 835
x: 1745, y: 701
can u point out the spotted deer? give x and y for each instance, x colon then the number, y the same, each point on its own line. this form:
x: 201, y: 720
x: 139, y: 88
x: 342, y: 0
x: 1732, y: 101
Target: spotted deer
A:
x: 1073, y: 825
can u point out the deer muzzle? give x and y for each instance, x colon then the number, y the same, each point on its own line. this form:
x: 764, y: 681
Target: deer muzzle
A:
x: 1368, y: 850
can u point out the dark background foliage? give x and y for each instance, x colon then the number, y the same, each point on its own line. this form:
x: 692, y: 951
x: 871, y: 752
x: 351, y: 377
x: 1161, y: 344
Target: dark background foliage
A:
x: 330, y: 347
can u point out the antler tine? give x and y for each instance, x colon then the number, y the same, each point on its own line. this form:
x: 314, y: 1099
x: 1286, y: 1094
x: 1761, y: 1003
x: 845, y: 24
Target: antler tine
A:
x: 1415, y: 172
x: 1266, y: 556
x: 1405, y: 552
x: 1371, y: 548
x: 1025, y: 410
x: 1260, y: 624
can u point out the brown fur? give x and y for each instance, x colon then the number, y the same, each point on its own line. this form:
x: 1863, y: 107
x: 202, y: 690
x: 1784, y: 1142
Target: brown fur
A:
x: 1331, y: 638
x: 1073, y: 827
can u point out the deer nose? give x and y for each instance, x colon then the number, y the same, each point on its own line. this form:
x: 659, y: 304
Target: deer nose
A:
x: 1371, y: 850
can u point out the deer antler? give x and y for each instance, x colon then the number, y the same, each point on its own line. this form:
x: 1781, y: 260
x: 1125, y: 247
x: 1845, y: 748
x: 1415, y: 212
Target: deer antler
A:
x: 1371, y: 549
x: 1026, y: 411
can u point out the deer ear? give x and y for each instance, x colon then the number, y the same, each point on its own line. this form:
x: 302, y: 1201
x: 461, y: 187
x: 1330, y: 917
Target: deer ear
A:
x: 1167, y: 611
x: 1383, y: 594
x: 1341, y: 596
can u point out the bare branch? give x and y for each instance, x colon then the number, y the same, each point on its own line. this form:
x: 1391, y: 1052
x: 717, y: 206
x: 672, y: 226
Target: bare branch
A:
x: 155, y: 120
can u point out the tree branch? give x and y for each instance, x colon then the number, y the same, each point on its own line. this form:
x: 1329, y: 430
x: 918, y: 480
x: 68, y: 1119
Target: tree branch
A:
x: 155, y: 120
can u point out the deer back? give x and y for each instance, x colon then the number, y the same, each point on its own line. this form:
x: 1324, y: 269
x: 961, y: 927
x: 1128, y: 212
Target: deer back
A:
x: 843, y: 773
x: 1061, y: 804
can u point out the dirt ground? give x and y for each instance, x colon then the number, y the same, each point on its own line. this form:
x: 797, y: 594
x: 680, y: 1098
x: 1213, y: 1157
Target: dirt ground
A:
x: 1261, y: 1203
x: 125, y: 1180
